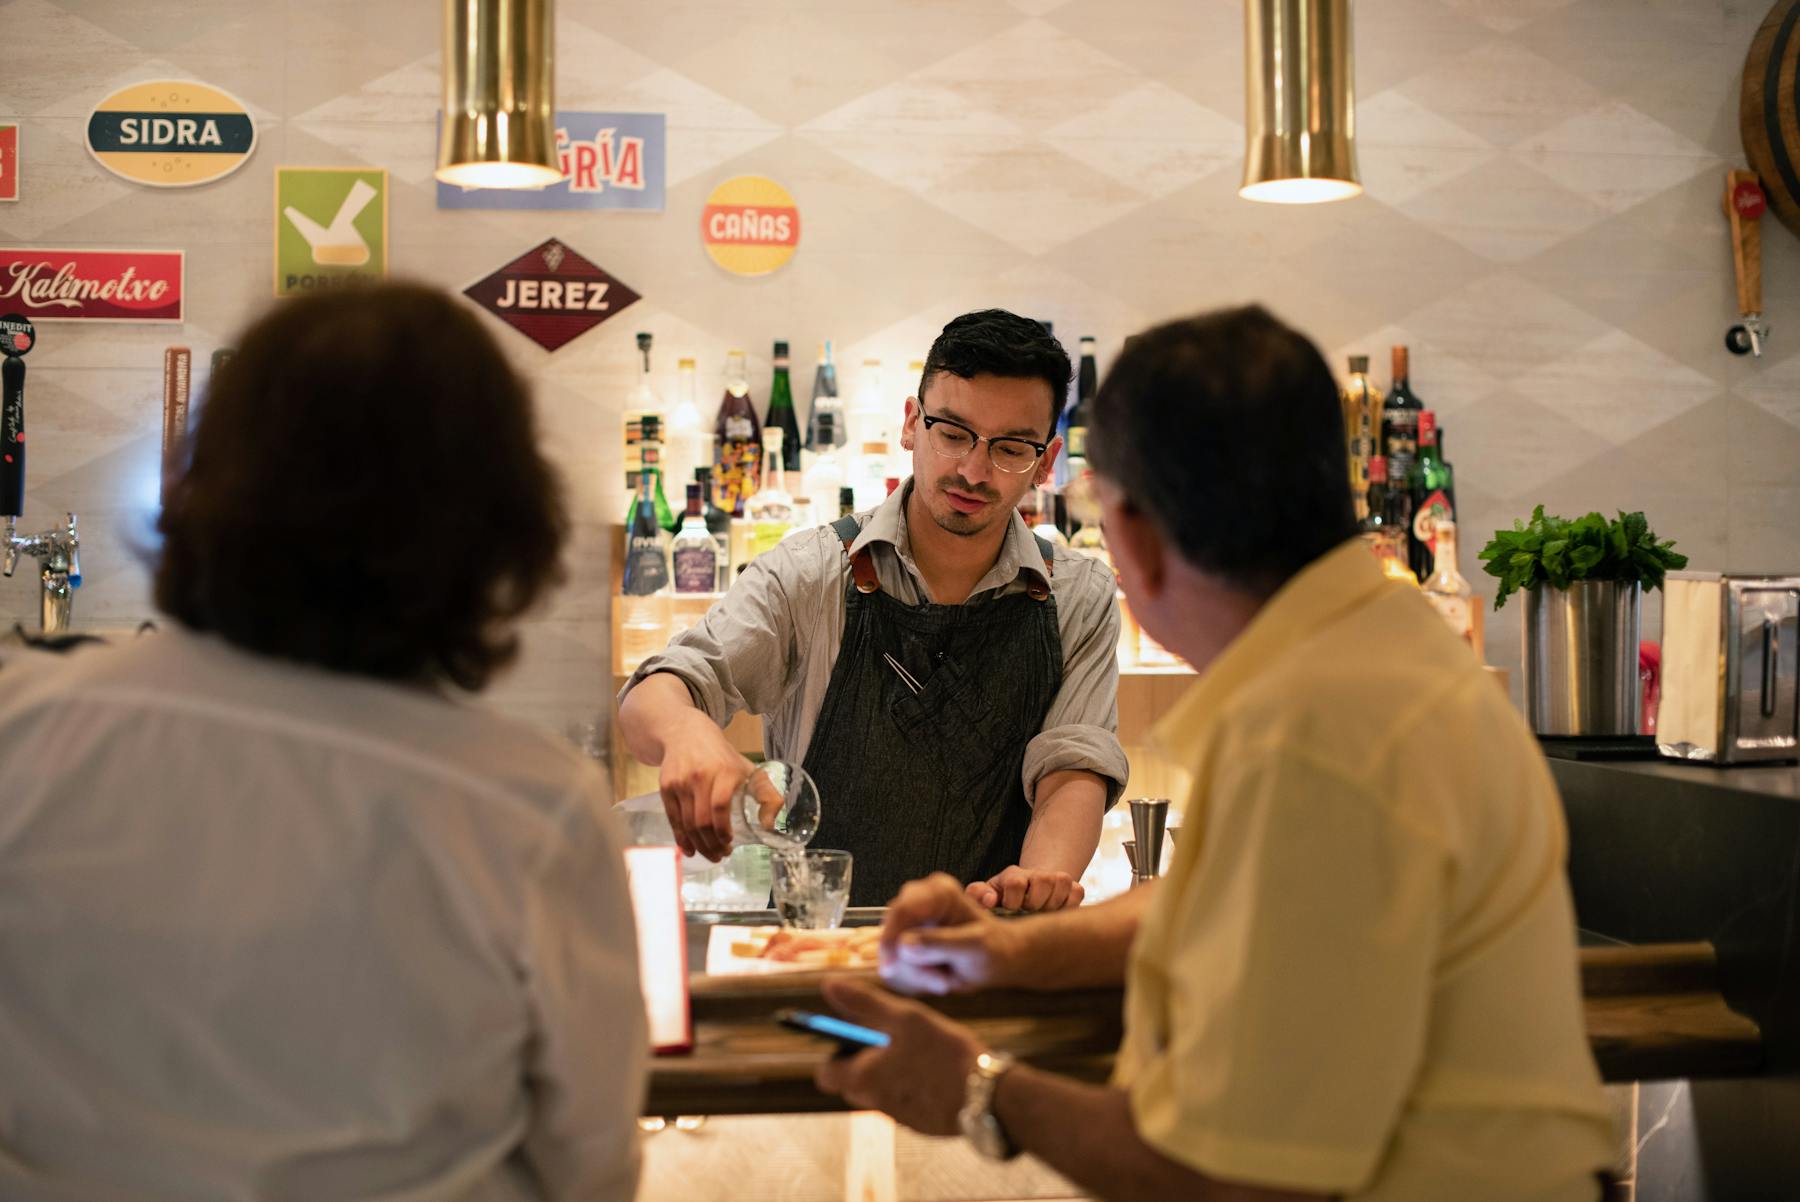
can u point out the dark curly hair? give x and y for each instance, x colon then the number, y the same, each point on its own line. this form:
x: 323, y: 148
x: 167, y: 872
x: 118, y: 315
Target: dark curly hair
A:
x: 997, y: 343
x: 1227, y: 430
x: 365, y: 493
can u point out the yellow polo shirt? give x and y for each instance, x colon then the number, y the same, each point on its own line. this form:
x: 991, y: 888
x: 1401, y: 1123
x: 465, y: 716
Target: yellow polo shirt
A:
x: 1361, y: 975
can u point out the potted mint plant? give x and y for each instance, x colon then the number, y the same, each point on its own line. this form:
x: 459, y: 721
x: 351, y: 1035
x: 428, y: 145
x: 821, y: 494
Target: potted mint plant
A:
x: 1583, y: 582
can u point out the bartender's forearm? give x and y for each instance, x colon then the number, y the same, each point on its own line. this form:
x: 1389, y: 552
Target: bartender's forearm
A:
x: 652, y: 712
x: 1065, y: 822
x: 1086, y: 1133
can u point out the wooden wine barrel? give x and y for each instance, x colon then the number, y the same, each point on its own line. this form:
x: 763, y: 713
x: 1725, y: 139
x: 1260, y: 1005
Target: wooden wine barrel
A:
x: 1767, y: 120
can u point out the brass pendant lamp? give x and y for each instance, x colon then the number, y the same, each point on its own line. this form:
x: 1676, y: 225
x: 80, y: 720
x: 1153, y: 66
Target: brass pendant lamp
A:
x: 499, y: 128
x: 1300, y: 102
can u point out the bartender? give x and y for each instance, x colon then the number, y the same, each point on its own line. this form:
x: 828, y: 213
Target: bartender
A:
x: 947, y: 678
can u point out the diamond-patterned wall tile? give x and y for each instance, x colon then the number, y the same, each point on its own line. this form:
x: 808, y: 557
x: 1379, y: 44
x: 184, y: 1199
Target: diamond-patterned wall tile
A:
x: 1502, y: 92
x: 1404, y: 149
x: 1504, y: 213
x: 1505, y: 16
x: 1618, y: 387
x: 1153, y: 139
x: 1008, y: 72
x: 1614, y: 156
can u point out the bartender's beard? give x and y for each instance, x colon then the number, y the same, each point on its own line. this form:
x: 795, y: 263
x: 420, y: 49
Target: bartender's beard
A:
x: 966, y: 524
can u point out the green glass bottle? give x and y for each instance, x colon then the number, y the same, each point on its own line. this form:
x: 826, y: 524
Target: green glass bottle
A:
x: 781, y: 411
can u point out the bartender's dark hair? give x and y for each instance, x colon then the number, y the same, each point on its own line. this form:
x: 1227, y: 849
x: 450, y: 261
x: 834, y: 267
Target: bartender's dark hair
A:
x: 365, y: 492
x: 997, y: 343
x: 1226, y: 429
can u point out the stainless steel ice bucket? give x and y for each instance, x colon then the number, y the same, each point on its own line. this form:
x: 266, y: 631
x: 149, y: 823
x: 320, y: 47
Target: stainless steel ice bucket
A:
x: 1581, y: 658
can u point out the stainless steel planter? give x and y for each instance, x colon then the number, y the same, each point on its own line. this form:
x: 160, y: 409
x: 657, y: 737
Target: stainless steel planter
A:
x: 1581, y: 658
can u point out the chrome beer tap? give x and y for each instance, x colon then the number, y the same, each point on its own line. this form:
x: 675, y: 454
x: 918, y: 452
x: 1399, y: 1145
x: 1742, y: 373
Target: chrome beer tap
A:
x: 59, y: 548
x: 59, y: 551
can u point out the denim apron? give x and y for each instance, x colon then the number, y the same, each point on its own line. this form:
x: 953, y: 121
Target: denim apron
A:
x: 912, y: 784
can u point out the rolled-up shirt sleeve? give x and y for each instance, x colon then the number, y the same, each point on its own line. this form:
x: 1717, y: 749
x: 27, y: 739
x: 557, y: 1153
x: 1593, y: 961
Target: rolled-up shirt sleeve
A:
x: 1081, y: 731
x: 743, y: 655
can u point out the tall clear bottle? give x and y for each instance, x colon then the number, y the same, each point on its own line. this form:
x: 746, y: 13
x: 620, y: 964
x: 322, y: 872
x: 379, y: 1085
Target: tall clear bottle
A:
x: 695, y: 553
x: 769, y: 513
x: 825, y: 402
x: 870, y: 414
x: 1043, y: 522
x: 686, y: 449
x: 781, y: 414
x: 1446, y: 589
x: 737, y: 453
x: 1362, y: 425
x: 825, y: 475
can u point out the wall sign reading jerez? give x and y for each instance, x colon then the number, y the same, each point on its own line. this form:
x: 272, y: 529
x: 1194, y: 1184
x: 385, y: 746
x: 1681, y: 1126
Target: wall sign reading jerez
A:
x: 171, y: 133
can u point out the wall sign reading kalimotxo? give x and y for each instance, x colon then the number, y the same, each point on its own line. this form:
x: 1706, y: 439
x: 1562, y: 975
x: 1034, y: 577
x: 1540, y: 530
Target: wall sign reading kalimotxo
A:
x: 92, y: 285
x: 171, y: 133
x: 9, y: 161
x: 608, y: 161
x: 551, y: 295
x: 750, y: 225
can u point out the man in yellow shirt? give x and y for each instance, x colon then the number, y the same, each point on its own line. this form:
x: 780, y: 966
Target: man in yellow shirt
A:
x: 1360, y: 978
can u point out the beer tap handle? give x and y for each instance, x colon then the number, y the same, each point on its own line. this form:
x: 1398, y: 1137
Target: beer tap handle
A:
x: 12, y: 437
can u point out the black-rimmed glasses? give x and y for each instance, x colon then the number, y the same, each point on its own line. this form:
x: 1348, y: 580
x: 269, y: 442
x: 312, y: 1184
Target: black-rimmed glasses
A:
x: 953, y: 440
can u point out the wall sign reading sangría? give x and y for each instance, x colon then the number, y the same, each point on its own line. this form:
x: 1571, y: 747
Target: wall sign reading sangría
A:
x: 171, y: 133
x: 551, y: 295
x: 92, y: 285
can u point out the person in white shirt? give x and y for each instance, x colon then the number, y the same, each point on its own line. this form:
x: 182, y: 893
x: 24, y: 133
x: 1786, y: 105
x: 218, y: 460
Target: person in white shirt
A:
x: 283, y: 914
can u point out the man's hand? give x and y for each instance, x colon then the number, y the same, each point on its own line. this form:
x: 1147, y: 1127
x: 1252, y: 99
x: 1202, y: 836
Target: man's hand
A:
x: 701, y: 771
x: 920, y: 1078
x: 937, y: 939
x: 1028, y: 889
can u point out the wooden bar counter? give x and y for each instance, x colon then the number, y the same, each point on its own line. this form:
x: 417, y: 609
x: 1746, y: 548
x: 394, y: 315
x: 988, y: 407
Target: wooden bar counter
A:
x: 1654, y: 1012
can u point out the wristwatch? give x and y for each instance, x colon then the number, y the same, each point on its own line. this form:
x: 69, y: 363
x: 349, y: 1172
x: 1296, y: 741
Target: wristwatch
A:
x: 977, y: 1118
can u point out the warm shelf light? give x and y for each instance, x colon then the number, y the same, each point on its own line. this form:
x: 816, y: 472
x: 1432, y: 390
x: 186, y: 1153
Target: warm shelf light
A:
x: 499, y: 128
x: 1300, y: 102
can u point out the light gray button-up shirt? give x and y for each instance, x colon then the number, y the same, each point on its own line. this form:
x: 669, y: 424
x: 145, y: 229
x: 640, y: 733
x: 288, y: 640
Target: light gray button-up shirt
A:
x: 769, y: 645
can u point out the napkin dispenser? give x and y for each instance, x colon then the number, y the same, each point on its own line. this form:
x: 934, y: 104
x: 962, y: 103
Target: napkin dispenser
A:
x: 1730, y: 683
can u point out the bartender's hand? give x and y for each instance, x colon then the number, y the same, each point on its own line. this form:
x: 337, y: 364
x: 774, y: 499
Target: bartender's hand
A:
x: 921, y: 1077
x: 937, y: 939
x: 700, y: 772
x: 1028, y: 889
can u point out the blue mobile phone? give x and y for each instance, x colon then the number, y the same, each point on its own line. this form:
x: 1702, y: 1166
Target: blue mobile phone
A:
x: 850, y: 1036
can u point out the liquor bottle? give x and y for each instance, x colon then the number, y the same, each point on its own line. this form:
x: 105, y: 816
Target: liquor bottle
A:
x: 781, y: 411
x: 1432, y: 489
x: 1044, y: 521
x: 685, y: 449
x: 1362, y: 422
x: 870, y: 414
x: 650, y: 448
x: 825, y: 475
x: 695, y: 553
x: 1445, y: 588
x: 846, y: 501
x: 868, y: 475
x: 643, y: 400
x: 1400, y: 421
x: 1375, y: 515
x: 644, y: 584
x: 770, y: 509
x: 1087, y: 384
x: 718, y: 524
x: 825, y: 402
x: 646, y: 551
x: 737, y: 455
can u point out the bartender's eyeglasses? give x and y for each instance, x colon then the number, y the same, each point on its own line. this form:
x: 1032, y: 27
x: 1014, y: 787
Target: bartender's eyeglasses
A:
x: 953, y: 440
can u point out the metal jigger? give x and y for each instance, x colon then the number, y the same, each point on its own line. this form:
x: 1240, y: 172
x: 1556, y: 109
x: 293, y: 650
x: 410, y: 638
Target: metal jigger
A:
x: 1149, y: 821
